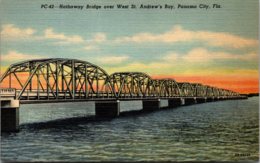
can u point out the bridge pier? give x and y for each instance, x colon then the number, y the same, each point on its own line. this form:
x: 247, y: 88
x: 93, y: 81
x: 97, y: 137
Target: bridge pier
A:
x: 9, y: 115
x: 176, y: 102
x: 210, y: 99
x: 223, y: 98
x: 201, y: 100
x: 164, y: 103
x: 107, y: 109
x: 151, y: 105
x: 242, y: 97
x: 190, y: 101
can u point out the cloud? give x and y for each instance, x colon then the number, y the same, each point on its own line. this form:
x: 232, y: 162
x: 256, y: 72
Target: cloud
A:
x: 50, y: 34
x: 10, y: 31
x: 171, y: 57
x: 152, y: 65
x: 197, y: 55
x: 150, y: 68
x: 90, y: 47
x: 65, y: 39
x: 113, y: 59
x: 178, y: 34
x: 99, y: 37
x: 13, y: 56
x: 203, y: 55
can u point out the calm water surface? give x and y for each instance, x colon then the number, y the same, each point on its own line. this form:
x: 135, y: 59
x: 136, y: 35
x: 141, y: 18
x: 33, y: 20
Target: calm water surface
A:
x: 220, y: 131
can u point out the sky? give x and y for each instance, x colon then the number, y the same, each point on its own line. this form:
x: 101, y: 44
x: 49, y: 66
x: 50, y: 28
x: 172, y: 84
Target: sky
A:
x: 214, y: 46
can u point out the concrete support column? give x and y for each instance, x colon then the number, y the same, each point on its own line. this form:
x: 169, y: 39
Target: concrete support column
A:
x: 164, y: 103
x: 210, y: 99
x: 176, y: 102
x: 243, y: 97
x: 201, y: 100
x: 150, y: 105
x: 190, y: 101
x: 107, y: 109
x: 9, y: 115
x: 224, y: 98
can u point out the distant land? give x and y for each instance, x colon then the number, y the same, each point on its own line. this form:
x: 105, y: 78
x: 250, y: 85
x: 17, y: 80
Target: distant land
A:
x: 251, y: 94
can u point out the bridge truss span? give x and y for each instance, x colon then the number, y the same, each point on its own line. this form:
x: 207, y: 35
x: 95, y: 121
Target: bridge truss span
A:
x: 61, y: 79
x: 132, y: 84
x: 167, y: 88
x: 199, y: 90
x: 187, y: 89
x: 57, y: 79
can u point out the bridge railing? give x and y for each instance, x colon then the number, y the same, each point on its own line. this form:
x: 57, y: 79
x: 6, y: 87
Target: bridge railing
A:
x: 8, y: 92
x: 43, y: 95
x: 35, y: 94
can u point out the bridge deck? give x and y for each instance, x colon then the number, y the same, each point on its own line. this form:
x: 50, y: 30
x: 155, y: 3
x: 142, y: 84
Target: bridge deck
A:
x: 121, y: 99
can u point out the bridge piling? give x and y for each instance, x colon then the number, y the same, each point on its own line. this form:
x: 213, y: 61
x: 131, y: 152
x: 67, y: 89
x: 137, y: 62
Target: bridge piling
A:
x: 9, y: 115
x: 201, y: 100
x: 164, y: 104
x: 190, y: 101
x: 176, y: 102
x: 210, y: 99
x: 151, y: 105
x: 107, y: 109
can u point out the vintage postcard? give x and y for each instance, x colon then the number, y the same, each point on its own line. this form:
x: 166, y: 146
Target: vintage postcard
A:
x: 129, y: 80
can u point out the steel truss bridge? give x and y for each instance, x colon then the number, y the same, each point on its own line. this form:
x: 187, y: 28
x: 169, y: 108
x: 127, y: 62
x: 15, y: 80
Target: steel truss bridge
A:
x: 71, y: 79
